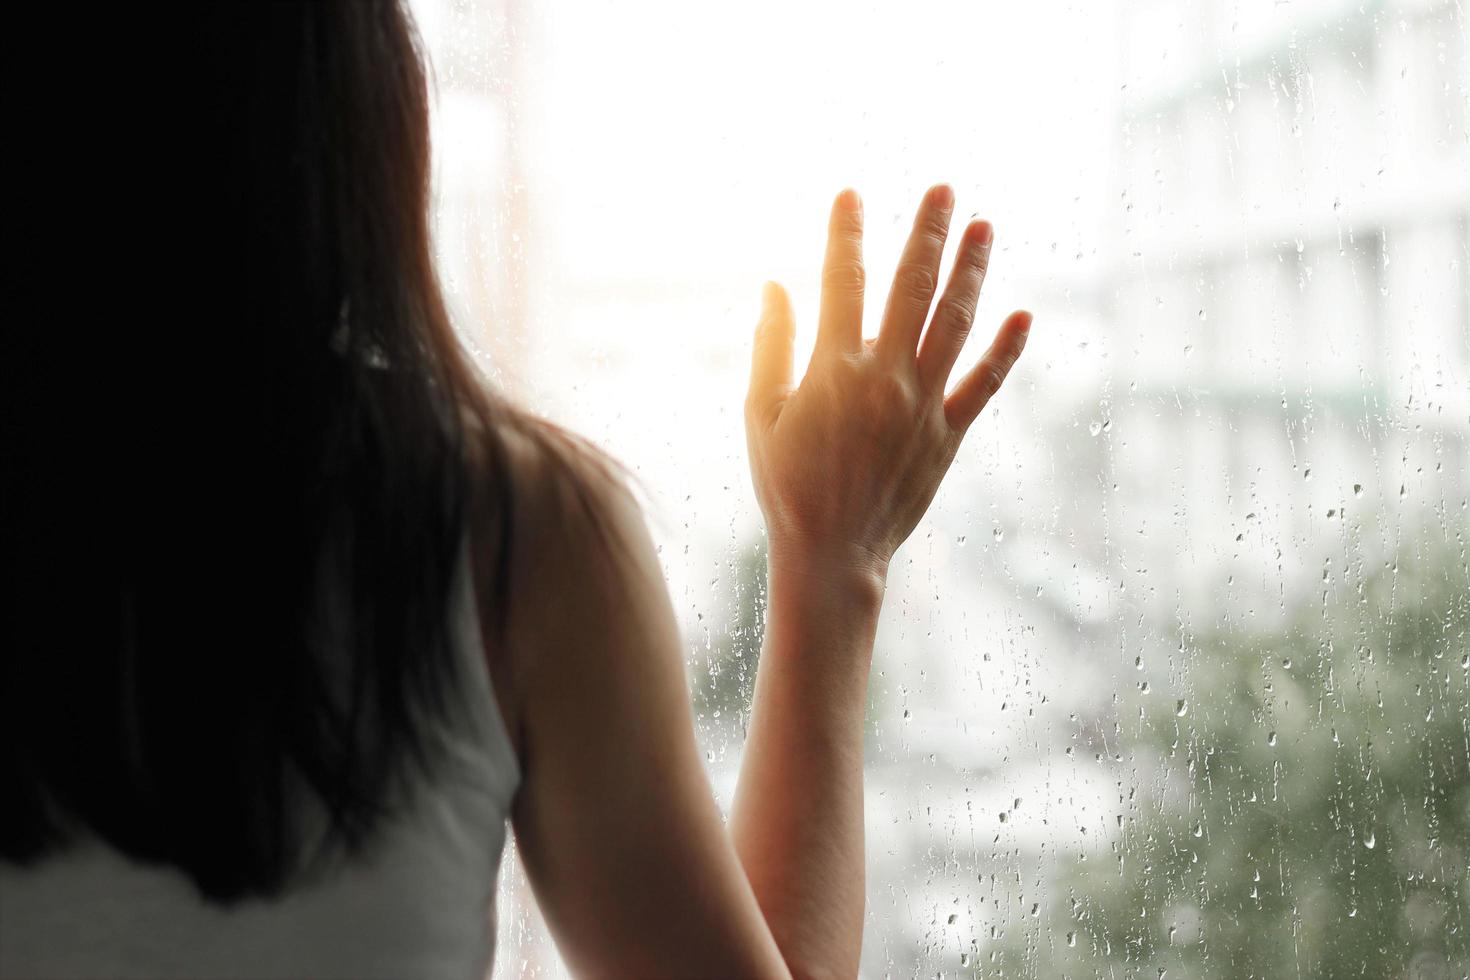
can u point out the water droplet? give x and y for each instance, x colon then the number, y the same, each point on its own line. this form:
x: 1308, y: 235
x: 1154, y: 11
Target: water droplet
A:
x: 1271, y: 739
x: 1198, y: 831
x: 1307, y: 474
x: 960, y: 540
x: 1071, y: 939
x: 1286, y: 662
x: 1369, y: 841
x: 1035, y: 909
x: 1357, y: 489
x: 953, y: 919
x: 1094, y: 427
x: 998, y: 534
x: 1181, y: 708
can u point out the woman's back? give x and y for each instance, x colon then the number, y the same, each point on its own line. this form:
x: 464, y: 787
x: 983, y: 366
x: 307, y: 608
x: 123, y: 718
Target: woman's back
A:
x: 417, y: 903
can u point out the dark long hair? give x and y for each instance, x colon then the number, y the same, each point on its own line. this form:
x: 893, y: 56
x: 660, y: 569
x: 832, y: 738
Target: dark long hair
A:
x: 237, y: 516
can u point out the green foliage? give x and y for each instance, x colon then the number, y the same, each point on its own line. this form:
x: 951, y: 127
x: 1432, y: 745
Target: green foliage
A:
x: 1308, y: 815
x: 724, y: 681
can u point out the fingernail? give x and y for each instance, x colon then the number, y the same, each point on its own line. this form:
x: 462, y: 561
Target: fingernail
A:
x: 984, y: 233
x: 768, y: 293
x: 849, y: 199
x: 942, y: 196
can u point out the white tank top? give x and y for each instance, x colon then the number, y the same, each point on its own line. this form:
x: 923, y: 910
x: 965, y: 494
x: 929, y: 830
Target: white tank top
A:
x: 419, y: 903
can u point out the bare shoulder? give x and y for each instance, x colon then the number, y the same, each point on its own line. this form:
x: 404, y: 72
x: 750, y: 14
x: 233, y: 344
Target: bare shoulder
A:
x: 578, y: 531
x: 580, y: 571
x: 615, y: 823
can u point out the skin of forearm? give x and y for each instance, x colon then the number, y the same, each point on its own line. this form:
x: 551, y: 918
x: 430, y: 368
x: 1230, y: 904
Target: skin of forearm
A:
x: 797, y: 819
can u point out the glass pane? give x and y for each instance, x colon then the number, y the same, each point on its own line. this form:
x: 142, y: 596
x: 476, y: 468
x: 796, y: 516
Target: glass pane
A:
x: 1174, y: 680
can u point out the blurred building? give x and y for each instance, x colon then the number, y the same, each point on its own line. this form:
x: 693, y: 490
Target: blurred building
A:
x: 1280, y: 398
x: 1290, y: 299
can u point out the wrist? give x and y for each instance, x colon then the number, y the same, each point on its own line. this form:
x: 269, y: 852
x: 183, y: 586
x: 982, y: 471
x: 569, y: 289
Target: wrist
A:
x: 850, y: 575
x: 821, y: 619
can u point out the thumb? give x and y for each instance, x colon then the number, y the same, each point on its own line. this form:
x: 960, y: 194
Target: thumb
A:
x: 770, y: 370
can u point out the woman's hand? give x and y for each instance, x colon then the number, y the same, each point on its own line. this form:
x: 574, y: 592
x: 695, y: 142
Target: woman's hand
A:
x: 846, y: 464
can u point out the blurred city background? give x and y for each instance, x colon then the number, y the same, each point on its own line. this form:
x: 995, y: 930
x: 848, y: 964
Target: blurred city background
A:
x: 1174, y: 680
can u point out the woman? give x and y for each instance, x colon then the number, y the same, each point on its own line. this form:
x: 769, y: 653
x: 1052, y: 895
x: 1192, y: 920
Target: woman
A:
x: 327, y: 612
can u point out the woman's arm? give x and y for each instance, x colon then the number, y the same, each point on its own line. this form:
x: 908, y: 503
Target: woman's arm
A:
x: 797, y: 821
x: 615, y: 822
x: 844, y: 467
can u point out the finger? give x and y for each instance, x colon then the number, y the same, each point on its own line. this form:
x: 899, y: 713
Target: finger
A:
x: 770, y: 369
x: 840, y: 327
x: 956, y: 310
x: 976, y: 388
x: 917, y: 276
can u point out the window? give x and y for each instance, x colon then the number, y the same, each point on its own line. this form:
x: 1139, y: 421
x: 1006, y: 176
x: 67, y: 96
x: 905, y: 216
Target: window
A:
x: 1174, y: 680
